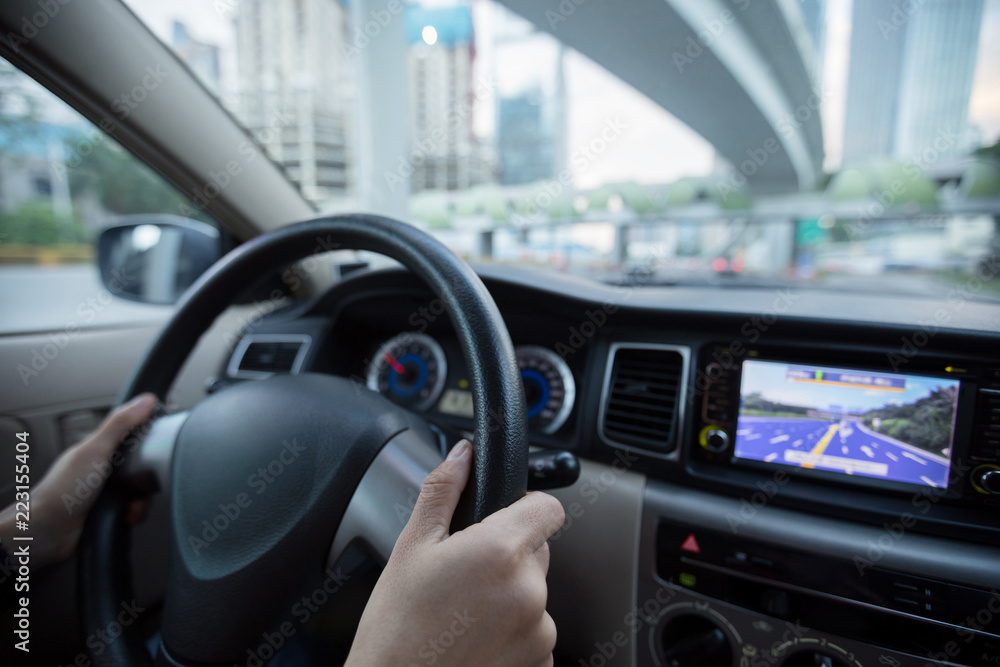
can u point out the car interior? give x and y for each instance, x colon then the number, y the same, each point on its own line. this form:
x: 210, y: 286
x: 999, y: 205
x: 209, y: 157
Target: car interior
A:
x: 754, y: 470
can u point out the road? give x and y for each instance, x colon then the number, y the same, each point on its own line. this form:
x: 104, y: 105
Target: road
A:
x: 843, y: 446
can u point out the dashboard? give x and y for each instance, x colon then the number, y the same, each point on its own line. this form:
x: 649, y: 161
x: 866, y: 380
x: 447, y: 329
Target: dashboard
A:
x: 826, y: 459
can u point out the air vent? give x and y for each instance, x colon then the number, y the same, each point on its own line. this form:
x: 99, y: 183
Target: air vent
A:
x: 644, y: 396
x: 260, y: 356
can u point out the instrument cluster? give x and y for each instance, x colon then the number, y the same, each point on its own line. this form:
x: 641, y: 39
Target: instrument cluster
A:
x: 412, y: 370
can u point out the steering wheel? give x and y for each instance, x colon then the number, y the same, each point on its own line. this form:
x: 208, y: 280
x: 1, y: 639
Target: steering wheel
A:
x: 270, y: 480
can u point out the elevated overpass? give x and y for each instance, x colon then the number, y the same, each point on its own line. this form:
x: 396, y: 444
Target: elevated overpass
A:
x: 738, y: 72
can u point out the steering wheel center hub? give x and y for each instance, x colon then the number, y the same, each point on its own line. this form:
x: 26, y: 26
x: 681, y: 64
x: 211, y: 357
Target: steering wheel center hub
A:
x: 263, y: 472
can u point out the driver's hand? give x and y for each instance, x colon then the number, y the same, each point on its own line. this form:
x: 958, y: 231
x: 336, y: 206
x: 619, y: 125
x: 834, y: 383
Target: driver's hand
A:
x: 61, y: 500
x: 473, y: 598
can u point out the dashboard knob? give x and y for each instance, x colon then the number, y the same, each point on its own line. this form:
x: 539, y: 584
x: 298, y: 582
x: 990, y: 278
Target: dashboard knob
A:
x: 695, y: 641
x: 716, y: 440
x: 986, y: 480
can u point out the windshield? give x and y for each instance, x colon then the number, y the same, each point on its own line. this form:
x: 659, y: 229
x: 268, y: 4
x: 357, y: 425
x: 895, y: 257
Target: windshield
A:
x: 824, y: 142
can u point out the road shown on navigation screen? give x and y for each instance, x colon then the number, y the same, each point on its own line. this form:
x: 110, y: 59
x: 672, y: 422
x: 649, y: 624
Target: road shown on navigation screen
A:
x: 844, y: 446
x: 882, y: 425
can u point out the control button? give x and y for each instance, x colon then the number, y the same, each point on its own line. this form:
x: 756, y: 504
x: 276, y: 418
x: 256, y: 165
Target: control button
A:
x: 714, y: 440
x: 986, y: 479
x: 693, y: 641
x: 691, y: 544
x: 552, y: 469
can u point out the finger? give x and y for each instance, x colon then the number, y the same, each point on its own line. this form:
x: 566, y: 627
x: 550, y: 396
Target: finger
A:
x: 136, y: 511
x: 542, y: 557
x: 532, y: 520
x: 543, y: 642
x: 439, y: 496
x: 548, y: 633
x: 124, y: 419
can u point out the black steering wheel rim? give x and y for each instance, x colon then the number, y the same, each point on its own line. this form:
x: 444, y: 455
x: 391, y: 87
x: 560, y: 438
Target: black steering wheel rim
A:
x: 500, y: 471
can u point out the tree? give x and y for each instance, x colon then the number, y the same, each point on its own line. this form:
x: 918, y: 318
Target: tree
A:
x: 121, y: 183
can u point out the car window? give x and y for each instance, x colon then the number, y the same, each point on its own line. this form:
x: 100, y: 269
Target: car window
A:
x: 822, y: 142
x: 62, y: 181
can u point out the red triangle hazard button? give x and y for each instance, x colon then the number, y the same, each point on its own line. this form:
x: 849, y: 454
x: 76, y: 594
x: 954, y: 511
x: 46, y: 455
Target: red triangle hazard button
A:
x: 691, y: 544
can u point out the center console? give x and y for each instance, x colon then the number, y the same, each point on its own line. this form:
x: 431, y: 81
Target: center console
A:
x: 850, y: 514
x: 789, y: 589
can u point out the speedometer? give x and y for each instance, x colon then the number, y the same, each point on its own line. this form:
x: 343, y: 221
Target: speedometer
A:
x: 549, y: 389
x: 410, y: 369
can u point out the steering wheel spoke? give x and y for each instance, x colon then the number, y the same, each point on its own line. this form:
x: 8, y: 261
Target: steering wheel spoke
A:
x: 384, y: 500
x: 148, y: 466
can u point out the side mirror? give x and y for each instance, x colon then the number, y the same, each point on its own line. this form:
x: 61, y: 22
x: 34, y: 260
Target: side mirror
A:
x: 153, y: 259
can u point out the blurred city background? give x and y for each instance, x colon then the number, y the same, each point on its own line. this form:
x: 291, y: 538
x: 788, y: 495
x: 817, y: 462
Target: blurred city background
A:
x: 845, y: 144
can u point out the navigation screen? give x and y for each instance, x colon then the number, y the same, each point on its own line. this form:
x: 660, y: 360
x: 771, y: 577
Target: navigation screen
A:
x: 891, y: 427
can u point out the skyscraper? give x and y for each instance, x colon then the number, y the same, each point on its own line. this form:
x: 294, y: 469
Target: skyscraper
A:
x: 938, y: 69
x: 910, y: 76
x: 531, y: 107
x: 295, y: 78
x: 443, y: 99
x: 872, y: 82
x: 524, y: 140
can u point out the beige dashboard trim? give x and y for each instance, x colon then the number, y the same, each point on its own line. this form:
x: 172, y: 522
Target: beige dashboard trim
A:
x: 594, y: 566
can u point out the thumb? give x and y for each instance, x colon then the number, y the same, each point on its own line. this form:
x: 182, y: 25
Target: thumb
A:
x: 439, y: 496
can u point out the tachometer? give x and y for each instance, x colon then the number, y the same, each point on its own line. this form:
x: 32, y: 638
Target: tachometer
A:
x: 410, y: 369
x: 549, y: 389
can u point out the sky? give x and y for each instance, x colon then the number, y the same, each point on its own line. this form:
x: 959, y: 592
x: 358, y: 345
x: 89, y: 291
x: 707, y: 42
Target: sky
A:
x: 770, y: 380
x: 657, y: 148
